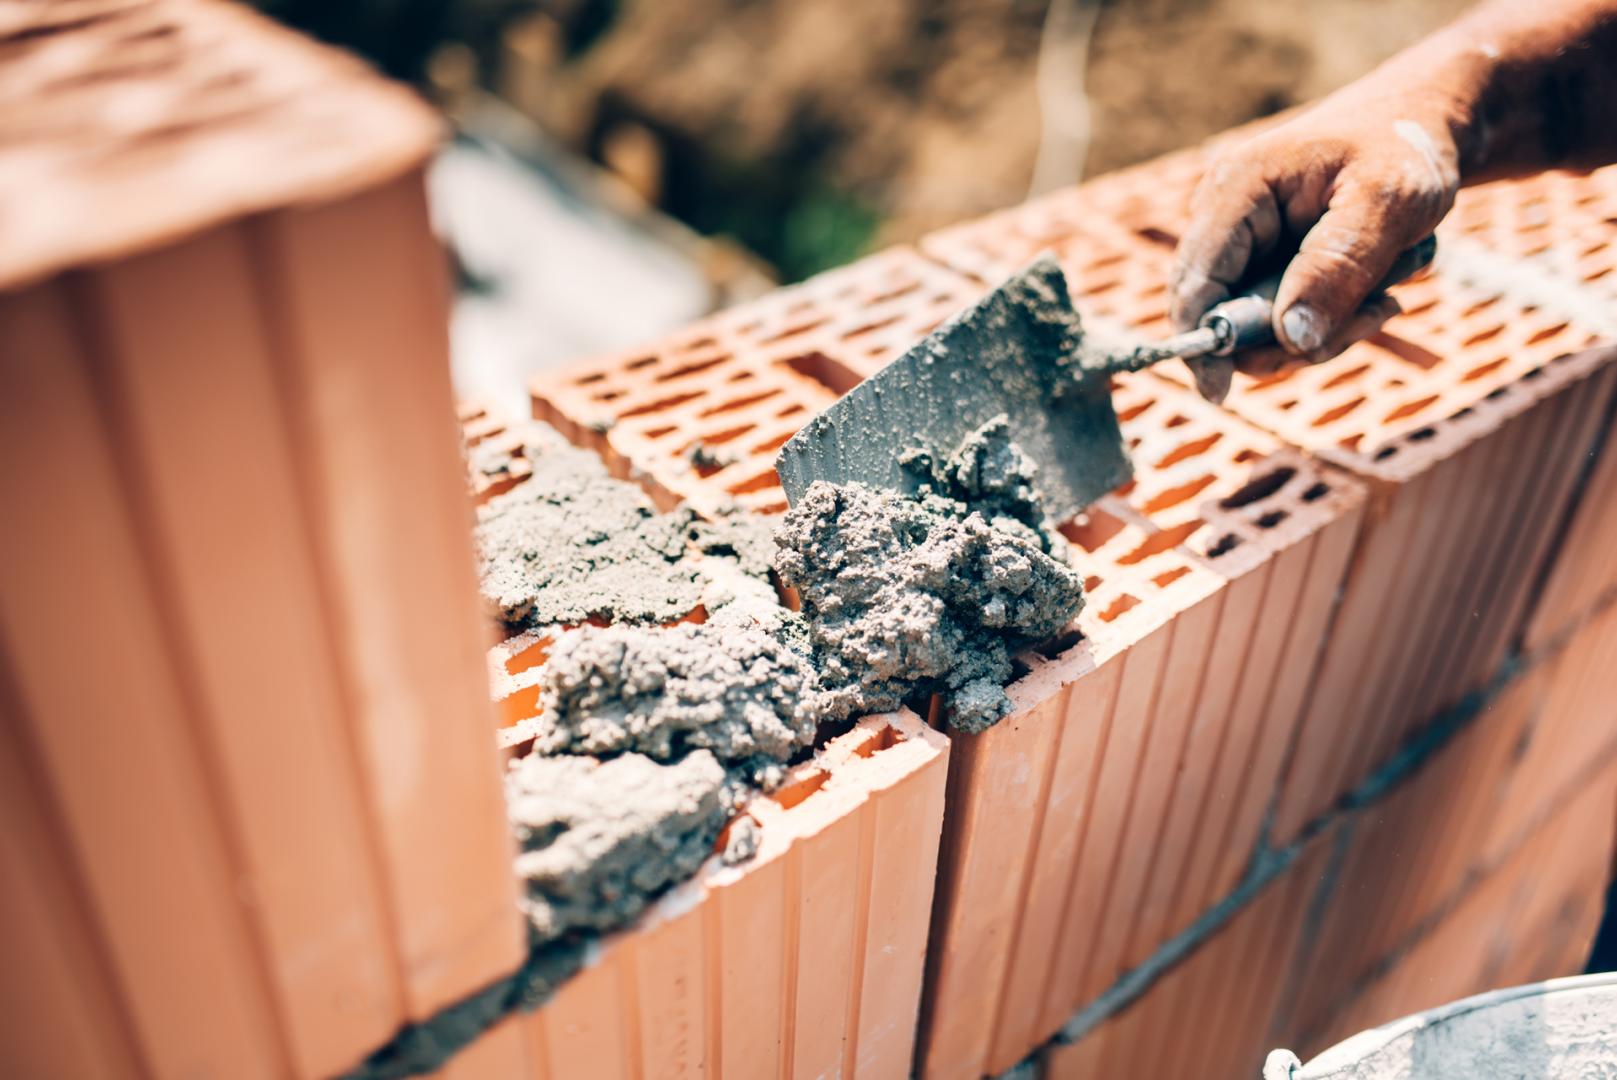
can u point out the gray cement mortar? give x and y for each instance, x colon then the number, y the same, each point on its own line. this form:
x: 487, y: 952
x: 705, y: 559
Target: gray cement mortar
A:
x: 651, y: 736
x: 425, y: 1047
x: 906, y: 597
x: 598, y: 840
x: 571, y: 544
x: 734, y: 690
x: 988, y: 474
x: 654, y: 736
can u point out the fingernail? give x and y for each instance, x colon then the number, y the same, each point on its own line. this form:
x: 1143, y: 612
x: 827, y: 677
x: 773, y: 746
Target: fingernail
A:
x: 1304, y: 329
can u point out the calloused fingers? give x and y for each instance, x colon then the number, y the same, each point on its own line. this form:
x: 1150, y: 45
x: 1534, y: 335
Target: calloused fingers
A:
x: 1362, y: 324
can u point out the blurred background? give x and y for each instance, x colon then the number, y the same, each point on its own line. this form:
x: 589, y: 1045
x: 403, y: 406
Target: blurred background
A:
x: 689, y: 153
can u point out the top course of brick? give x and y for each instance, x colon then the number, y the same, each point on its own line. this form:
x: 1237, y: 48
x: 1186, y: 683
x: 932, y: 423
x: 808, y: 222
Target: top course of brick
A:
x: 1522, y: 273
x: 698, y: 416
x: 149, y: 120
x: 1523, y: 278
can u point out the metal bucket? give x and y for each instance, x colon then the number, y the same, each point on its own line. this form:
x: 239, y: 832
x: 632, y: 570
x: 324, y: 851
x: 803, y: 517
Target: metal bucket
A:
x: 1559, y: 1028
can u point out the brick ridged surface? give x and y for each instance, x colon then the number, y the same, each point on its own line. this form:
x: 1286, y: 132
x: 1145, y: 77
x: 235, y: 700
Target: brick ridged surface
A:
x: 1531, y: 915
x: 1548, y: 736
x: 1583, y: 577
x: 1532, y: 919
x: 246, y: 834
x: 1127, y: 793
x: 1486, y: 866
x: 806, y: 960
x: 1210, y: 1015
x: 250, y: 836
x: 1462, y: 525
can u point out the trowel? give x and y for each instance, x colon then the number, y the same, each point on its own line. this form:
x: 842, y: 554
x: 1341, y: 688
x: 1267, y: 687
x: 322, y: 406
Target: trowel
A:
x: 1021, y: 353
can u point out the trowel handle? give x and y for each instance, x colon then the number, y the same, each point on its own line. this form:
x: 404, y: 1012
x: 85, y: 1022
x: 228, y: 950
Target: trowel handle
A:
x: 1247, y: 321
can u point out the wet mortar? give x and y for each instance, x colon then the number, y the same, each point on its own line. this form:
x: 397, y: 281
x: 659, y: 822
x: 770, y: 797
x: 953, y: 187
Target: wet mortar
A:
x: 909, y: 597
x: 737, y: 691
x: 571, y: 544
x: 654, y: 733
x: 591, y: 858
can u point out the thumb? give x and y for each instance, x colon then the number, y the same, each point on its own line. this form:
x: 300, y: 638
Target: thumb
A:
x: 1342, y: 259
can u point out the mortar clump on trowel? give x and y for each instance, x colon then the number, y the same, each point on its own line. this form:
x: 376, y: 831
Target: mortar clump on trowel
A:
x: 1019, y: 358
x: 919, y: 540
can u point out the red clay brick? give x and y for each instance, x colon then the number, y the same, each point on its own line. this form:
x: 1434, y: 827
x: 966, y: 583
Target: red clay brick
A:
x: 274, y: 842
x: 1560, y: 221
x: 1583, y: 577
x: 1262, y: 979
x: 242, y: 116
x: 1208, y: 1016
x: 1567, y: 722
x: 1549, y: 737
x: 1067, y: 855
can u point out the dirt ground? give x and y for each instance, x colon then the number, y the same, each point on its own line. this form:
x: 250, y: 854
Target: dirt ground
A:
x: 812, y: 128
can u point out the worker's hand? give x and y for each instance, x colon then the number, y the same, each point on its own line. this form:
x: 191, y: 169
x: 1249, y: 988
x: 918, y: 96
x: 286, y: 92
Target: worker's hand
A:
x: 1349, y: 184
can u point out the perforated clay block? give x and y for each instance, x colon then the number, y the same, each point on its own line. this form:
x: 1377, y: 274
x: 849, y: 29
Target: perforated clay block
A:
x: 698, y: 417
x: 1126, y: 794
x: 1221, y: 520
